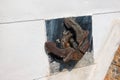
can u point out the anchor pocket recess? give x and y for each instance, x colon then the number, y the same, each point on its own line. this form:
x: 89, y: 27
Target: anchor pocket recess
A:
x: 68, y: 39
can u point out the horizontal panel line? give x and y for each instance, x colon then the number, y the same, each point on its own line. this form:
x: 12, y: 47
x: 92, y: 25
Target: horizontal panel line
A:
x: 106, y: 13
x: 47, y: 19
x: 21, y: 21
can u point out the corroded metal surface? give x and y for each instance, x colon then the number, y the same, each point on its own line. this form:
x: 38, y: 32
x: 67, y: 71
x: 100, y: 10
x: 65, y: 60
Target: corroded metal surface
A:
x: 62, y: 39
x: 114, y: 69
x: 67, y: 53
x: 73, y: 47
x: 80, y: 33
x: 65, y: 39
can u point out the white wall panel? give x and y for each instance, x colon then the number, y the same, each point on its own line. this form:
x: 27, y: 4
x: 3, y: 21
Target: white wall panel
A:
x: 22, y: 55
x: 106, y: 39
x: 18, y: 10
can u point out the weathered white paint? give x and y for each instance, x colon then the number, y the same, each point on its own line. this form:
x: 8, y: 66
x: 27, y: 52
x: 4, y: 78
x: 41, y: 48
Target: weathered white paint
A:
x: 22, y: 55
x: 102, y: 25
x: 106, y: 42
x: 18, y: 10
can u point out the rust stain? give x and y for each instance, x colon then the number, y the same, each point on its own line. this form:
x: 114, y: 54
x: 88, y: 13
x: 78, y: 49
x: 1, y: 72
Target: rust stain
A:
x: 114, y: 69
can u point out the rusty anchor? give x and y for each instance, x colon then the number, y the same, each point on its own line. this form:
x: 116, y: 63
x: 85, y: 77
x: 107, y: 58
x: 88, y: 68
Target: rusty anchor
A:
x: 73, y: 48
